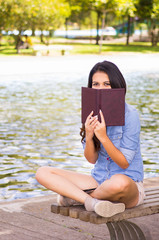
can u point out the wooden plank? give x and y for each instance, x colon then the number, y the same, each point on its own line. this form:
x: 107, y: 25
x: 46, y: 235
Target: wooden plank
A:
x: 82, y: 214
x: 55, y: 208
x: 133, y: 214
x: 75, y: 211
x: 150, y: 206
x: 151, y: 189
x: 151, y: 200
x: 96, y: 219
x: 152, y: 193
x: 152, y: 196
x: 64, y: 211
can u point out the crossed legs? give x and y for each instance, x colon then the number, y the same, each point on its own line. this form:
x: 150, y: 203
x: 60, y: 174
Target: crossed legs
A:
x: 119, y: 188
x: 67, y: 183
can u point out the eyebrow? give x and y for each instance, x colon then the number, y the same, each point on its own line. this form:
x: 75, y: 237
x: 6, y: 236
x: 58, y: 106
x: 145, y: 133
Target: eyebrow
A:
x: 97, y: 81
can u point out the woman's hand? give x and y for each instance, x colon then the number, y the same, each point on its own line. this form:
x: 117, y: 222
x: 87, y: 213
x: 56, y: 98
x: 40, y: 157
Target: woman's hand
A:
x: 90, y: 126
x: 90, y: 152
x: 100, y: 129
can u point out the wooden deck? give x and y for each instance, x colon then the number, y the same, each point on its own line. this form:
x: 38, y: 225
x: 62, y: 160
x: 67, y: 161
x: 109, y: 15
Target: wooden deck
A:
x: 150, y: 206
x: 119, y: 227
x: 31, y: 218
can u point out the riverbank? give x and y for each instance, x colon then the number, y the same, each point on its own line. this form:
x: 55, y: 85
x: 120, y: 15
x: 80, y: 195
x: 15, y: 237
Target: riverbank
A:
x: 31, y: 219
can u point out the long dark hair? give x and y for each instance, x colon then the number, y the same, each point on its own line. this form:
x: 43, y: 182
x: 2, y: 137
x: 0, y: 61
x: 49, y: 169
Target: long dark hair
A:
x: 116, y: 81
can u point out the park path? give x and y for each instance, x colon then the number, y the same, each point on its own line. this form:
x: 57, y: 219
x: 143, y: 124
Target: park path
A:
x: 80, y: 64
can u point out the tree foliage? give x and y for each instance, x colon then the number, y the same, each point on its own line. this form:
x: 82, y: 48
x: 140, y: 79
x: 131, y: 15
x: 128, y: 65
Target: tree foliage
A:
x: 29, y: 14
x: 144, y: 8
x: 32, y: 14
x: 5, y: 11
x: 51, y: 14
x: 149, y: 10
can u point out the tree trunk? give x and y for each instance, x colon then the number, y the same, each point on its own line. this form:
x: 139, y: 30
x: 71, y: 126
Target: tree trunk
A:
x: 157, y: 37
x: 97, y: 37
x: 18, y: 42
x: 128, y: 31
x: 154, y: 36
x: 91, y: 24
x: 33, y: 32
x: 42, y: 37
x: 0, y: 37
x: 101, y: 37
x: 66, y: 27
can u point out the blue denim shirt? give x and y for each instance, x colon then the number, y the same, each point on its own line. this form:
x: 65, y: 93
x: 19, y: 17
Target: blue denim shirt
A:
x: 127, y: 139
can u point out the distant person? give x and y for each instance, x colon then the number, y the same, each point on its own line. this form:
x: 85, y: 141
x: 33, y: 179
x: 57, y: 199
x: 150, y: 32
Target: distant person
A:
x: 25, y: 42
x: 116, y: 181
x: 28, y: 41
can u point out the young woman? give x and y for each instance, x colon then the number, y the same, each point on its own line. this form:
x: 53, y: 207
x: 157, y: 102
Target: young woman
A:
x: 116, y: 179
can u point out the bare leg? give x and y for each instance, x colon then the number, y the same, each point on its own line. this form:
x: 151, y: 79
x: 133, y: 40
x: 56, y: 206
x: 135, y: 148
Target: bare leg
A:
x: 119, y: 188
x: 71, y: 184
x: 66, y: 183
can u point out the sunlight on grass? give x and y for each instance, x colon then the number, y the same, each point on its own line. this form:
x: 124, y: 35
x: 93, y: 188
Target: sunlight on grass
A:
x: 94, y: 49
x: 7, y: 47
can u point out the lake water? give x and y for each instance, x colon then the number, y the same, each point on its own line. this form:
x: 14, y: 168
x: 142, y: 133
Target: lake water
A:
x: 40, y: 117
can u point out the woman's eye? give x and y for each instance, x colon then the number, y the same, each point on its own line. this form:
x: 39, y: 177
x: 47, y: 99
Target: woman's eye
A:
x: 94, y: 84
x: 107, y: 84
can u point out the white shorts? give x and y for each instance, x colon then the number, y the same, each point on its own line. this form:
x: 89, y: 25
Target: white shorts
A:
x: 140, y: 187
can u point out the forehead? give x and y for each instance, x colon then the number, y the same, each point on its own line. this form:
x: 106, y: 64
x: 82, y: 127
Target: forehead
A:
x: 100, y: 76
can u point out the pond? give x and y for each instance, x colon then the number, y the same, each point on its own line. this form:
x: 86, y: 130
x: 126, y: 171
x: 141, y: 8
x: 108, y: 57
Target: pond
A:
x: 40, y: 124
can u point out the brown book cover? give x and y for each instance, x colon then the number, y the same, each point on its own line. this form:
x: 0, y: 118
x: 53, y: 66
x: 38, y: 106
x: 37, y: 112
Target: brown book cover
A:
x: 110, y: 101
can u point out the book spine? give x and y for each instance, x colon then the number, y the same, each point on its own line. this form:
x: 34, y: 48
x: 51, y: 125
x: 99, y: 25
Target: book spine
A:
x: 98, y: 102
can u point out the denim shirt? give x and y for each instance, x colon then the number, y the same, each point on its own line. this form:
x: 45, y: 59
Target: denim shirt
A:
x: 127, y: 139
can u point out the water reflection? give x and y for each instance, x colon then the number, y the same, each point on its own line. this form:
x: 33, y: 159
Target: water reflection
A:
x: 40, y: 122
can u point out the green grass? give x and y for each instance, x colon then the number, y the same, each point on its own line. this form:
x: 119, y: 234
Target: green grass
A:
x: 110, y: 48
x: 7, y: 48
x: 11, y: 51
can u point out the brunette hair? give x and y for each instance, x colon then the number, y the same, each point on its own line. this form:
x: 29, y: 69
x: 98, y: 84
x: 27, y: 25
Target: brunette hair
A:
x: 116, y: 81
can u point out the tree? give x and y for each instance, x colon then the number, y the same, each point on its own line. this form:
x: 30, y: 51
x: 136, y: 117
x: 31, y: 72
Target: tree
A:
x: 81, y: 9
x: 19, y: 18
x: 155, y: 20
x: 35, y: 14
x: 127, y: 8
x: 48, y: 15
x: 5, y: 12
x: 102, y: 7
x: 149, y: 10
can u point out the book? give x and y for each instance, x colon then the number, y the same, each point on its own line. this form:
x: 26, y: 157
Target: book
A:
x: 110, y: 101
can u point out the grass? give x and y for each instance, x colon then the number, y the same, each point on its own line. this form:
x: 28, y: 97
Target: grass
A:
x: 7, y: 47
x: 11, y: 51
x: 137, y: 47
